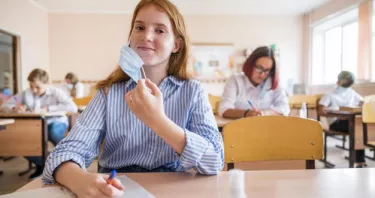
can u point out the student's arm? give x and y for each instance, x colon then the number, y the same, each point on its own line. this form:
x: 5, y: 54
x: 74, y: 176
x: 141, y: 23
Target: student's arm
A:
x: 228, y: 100
x: 280, y: 104
x: 204, y: 145
x: 199, y: 144
x: 324, y: 103
x: 68, y: 161
x: 65, y: 103
x: 80, y: 89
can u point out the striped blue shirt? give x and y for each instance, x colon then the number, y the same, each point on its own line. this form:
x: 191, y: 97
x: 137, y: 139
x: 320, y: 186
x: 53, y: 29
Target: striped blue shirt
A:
x: 128, y: 141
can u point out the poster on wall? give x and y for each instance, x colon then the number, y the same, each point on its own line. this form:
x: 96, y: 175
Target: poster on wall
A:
x: 212, y: 61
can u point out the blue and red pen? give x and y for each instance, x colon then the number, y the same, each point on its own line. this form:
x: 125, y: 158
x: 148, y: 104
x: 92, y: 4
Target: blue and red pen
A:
x: 112, y: 175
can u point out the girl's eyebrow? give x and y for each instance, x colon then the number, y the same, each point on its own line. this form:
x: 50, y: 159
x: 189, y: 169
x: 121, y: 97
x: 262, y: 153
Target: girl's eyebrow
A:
x: 157, y: 24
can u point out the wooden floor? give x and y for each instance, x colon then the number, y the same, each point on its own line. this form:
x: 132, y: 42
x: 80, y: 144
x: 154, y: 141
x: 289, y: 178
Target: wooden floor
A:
x: 10, y: 181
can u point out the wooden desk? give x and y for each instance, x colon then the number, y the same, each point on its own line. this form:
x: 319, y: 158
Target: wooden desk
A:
x: 3, y: 123
x: 350, y: 115
x: 323, y: 183
x: 28, y: 136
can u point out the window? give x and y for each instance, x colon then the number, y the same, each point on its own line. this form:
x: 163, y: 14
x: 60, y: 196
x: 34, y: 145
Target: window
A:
x: 335, y: 48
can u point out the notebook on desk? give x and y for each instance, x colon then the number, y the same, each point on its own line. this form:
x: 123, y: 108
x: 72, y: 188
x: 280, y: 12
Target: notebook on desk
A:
x: 132, y: 189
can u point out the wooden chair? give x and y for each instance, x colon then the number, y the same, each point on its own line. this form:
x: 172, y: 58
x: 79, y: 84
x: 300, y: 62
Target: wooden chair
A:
x: 214, y: 101
x: 366, y: 99
x: 331, y: 133
x: 369, y: 98
x: 268, y: 138
x: 295, y: 102
x: 82, y: 101
x: 368, y: 117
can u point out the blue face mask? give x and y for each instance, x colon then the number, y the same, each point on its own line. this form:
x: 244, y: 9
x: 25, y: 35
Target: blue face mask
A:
x: 340, y: 89
x: 131, y: 63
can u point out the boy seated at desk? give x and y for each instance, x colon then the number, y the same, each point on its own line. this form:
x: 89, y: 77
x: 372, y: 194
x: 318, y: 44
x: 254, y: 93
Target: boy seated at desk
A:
x: 42, y: 97
x: 342, y: 96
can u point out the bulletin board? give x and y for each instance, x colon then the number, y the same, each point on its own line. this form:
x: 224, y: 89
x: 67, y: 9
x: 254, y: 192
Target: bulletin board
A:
x: 212, y: 60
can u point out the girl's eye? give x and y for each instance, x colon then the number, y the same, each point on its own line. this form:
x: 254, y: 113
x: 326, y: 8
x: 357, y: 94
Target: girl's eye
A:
x: 138, y: 27
x: 160, y: 31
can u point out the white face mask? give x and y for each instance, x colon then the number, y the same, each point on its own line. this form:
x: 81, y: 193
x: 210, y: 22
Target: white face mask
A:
x: 340, y: 89
x: 131, y: 63
x: 70, y: 86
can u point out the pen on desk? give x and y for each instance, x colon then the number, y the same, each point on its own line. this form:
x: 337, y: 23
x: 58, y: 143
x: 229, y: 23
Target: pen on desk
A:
x: 251, y: 105
x: 111, y: 177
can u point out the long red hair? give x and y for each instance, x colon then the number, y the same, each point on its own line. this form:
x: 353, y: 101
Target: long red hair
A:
x: 264, y: 51
x: 177, y: 61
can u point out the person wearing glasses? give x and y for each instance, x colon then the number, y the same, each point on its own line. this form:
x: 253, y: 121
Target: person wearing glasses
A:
x: 255, y: 91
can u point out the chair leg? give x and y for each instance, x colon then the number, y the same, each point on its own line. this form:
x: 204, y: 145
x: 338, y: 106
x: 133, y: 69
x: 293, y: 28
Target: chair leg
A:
x: 310, y: 164
x: 230, y: 166
x: 371, y: 158
x: 324, y: 160
x: 30, y: 168
x: 343, y: 144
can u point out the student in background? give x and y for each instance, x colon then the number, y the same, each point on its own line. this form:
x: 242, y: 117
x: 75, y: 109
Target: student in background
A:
x: 162, y: 124
x: 76, y: 88
x: 342, y: 96
x: 41, y: 97
x: 256, y: 91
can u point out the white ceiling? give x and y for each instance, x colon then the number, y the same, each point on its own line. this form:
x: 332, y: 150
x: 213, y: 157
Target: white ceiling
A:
x: 289, y: 7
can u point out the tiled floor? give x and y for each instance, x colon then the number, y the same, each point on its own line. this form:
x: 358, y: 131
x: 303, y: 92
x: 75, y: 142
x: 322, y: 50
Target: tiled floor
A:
x: 10, y: 181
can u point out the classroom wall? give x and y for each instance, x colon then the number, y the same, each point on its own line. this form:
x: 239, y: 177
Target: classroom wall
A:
x: 29, y: 21
x: 89, y: 44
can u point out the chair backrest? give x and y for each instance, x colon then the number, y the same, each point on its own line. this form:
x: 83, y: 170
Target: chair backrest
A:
x: 368, y: 112
x: 214, y: 101
x: 266, y: 138
x: 299, y: 99
x: 368, y: 117
x: 82, y: 101
x: 369, y: 98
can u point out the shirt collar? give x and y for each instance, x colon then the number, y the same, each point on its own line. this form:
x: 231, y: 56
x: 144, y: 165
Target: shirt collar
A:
x: 168, y: 79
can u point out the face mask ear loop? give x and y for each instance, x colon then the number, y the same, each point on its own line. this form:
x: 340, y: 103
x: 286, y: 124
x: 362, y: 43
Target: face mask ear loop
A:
x: 143, y: 72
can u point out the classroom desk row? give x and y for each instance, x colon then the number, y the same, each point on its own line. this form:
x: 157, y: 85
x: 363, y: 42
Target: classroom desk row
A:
x: 324, y: 183
x: 30, y: 133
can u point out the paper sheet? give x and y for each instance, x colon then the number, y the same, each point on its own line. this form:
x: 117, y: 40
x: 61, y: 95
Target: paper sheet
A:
x: 132, y: 189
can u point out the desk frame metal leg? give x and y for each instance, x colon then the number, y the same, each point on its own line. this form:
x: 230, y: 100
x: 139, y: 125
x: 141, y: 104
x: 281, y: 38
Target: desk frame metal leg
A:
x: 44, y: 141
x: 352, y: 154
x: 324, y: 160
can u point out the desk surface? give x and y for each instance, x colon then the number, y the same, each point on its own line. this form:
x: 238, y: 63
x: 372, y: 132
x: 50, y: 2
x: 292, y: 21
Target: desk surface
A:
x: 323, y: 183
x: 6, y: 121
x: 221, y: 122
x: 31, y: 115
